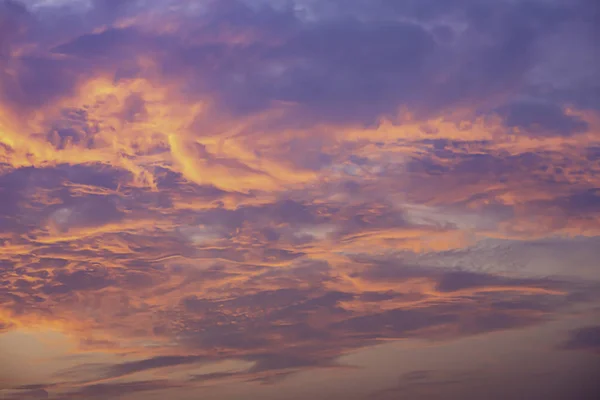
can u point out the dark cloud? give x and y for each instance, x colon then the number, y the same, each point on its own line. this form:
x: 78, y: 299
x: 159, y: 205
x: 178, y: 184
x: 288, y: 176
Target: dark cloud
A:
x: 396, y: 323
x: 134, y: 108
x: 436, y: 381
x: 389, y: 270
x: 39, y: 81
x: 447, y: 280
x: 282, y: 362
x: 259, y: 301
x: 214, y: 376
x: 13, y: 20
x: 497, y: 321
x: 380, y: 64
x: 19, y: 188
x: 249, y: 322
x: 587, y: 338
x: 116, y: 390
x: 131, y: 367
x: 541, y: 119
x: 292, y: 278
x: 459, y: 280
x: 584, y: 202
x: 89, y: 279
x: 88, y: 212
x: 345, y: 69
x: 111, y: 42
x: 34, y: 394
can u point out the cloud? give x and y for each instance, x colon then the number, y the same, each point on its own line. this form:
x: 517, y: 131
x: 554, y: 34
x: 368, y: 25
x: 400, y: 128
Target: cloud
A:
x: 151, y: 363
x: 91, y: 212
x: 281, y: 184
x: 14, y: 18
x: 30, y: 394
x: 101, y: 390
x: 586, y: 338
x: 542, y: 119
x: 377, y: 67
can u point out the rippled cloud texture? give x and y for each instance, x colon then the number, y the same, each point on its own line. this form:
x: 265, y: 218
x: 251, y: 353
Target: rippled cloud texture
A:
x: 293, y: 199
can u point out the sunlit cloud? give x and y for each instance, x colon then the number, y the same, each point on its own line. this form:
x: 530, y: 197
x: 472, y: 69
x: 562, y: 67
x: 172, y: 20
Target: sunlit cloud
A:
x: 199, y: 196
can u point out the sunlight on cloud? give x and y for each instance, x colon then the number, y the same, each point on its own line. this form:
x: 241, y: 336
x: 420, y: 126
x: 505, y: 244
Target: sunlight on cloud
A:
x: 230, y: 197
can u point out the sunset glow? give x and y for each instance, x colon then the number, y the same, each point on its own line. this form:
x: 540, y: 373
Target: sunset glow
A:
x: 299, y: 199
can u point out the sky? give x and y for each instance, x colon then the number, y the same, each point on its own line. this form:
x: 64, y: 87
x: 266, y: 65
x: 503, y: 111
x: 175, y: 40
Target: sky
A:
x: 299, y: 199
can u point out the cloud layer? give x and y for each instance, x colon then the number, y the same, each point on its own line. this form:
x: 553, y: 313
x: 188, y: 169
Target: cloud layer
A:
x: 279, y: 184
